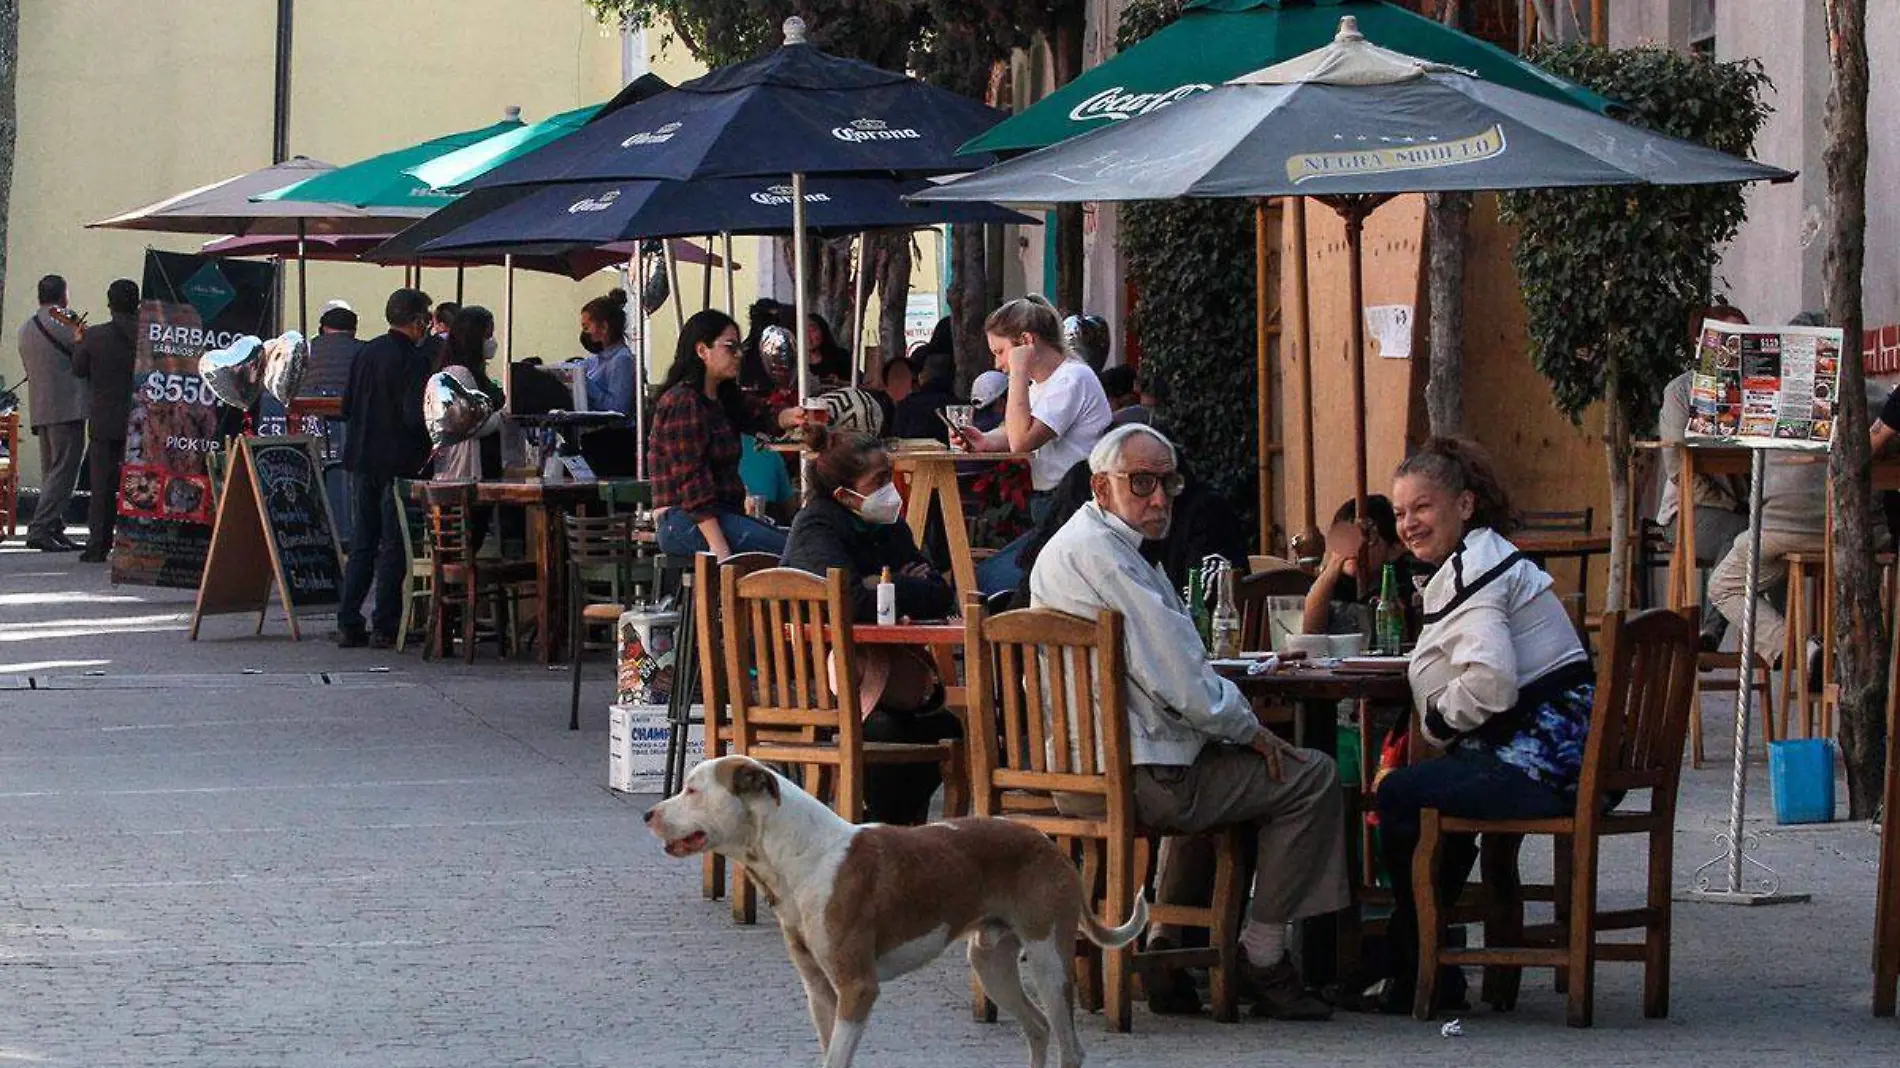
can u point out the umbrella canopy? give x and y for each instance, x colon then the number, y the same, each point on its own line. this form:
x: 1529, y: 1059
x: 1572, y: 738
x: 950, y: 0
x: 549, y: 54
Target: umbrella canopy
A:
x: 384, y: 181
x: 575, y: 263
x: 795, y: 110
x: 466, y: 164
x: 1351, y: 119
x: 601, y: 212
x: 226, y: 207
x: 1218, y: 40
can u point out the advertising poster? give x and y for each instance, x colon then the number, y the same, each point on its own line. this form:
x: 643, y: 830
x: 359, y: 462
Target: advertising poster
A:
x: 166, y: 498
x: 1766, y: 386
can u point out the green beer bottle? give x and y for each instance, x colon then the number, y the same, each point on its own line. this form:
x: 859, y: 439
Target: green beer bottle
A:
x: 1390, y: 615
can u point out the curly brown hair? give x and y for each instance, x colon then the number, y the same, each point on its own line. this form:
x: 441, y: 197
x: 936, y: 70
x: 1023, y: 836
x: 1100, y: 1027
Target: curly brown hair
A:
x: 1458, y: 465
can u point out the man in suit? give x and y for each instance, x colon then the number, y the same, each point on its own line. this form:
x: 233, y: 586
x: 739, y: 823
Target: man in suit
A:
x: 383, y: 402
x: 105, y: 360
x: 56, y: 411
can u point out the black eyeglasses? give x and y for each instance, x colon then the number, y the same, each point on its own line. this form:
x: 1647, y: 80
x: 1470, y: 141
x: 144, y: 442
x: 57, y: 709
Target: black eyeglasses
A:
x: 1144, y: 483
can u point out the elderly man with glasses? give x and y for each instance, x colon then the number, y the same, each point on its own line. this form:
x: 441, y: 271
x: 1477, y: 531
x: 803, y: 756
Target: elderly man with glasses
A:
x: 1201, y: 757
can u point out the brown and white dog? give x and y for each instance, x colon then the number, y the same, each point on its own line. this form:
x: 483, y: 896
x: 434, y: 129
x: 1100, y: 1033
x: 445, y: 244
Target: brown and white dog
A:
x: 862, y: 904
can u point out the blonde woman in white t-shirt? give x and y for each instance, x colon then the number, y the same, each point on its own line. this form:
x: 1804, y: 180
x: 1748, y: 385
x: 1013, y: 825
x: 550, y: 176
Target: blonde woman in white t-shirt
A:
x: 1055, y: 411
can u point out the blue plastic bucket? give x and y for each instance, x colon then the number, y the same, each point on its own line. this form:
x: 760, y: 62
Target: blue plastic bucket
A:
x: 1801, y: 773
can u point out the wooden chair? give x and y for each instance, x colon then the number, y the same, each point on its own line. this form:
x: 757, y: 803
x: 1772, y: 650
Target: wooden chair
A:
x: 1645, y: 686
x: 1048, y: 740
x: 794, y: 630
x: 9, y: 474
x: 457, y: 579
x: 1887, y: 896
x: 417, y: 565
x: 1250, y: 596
x: 598, y: 548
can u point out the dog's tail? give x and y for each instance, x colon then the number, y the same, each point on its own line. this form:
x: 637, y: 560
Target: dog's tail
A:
x: 1115, y: 937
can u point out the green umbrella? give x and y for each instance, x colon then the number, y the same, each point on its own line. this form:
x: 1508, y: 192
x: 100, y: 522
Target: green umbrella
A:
x: 467, y: 163
x: 383, y: 181
x: 1217, y: 40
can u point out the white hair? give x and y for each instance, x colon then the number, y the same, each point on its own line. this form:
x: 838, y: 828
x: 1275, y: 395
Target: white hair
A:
x: 1106, y: 456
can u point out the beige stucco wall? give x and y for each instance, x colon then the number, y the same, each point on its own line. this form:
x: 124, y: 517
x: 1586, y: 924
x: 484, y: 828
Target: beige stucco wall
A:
x: 122, y: 103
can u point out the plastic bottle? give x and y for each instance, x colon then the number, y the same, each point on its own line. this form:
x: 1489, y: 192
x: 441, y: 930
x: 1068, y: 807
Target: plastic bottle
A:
x: 1390, y: 614
x: 886, y: 599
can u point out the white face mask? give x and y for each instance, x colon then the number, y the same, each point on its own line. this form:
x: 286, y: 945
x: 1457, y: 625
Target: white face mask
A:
x: 881, y: 507
x: 488, y: 349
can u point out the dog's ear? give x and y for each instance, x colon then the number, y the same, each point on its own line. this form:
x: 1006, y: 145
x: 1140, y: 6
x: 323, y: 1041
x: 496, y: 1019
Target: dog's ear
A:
x: 751, y: 779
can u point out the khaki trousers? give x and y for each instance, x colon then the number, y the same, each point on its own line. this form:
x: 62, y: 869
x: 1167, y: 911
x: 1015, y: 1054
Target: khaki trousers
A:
x: 1728, y: 585
x: 1299, y: 828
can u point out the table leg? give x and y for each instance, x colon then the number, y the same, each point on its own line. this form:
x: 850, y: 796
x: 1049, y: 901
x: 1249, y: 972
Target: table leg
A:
x: 546, y: 558
x: 956, y: 530
x: 1317, y: 728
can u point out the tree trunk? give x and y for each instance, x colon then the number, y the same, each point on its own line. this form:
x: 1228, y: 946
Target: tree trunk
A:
x: 893, y: 290
x: 9, y: 82
x: 1447, y: 216
x: 1859, y: 638
x: 1616, y: 447
x: 1065, y: 44
x: 969, y: 302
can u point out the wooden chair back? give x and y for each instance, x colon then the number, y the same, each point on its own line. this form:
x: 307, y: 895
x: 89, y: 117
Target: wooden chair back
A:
x: 791, y: 665
x: 1577, y: 521
x: 625, y: 495
x: 601, y: 551
x: 9, y: 473
x: 451, y: 524
x: 1646, y: 673
x: 1250, y: 596
x: 709, y: 576
x: 1048, y: 718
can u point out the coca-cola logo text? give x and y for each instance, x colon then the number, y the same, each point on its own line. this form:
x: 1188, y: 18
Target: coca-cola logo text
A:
x: 1117, y: 103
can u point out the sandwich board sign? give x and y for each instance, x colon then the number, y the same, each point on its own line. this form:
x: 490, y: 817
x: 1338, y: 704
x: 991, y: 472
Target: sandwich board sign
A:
x: 273, y: 528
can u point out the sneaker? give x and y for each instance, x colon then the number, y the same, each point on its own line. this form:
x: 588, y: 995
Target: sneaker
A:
x: 350, y: 638
x: 382, y: 641
x: 1279, y: 993
x: 51, y: 545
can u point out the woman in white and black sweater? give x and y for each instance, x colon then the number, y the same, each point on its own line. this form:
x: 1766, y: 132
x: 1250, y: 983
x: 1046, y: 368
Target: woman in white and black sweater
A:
x: 1499, y: 678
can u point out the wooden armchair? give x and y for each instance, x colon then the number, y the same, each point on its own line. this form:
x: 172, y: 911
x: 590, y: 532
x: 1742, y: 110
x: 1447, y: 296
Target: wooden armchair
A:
x: 1048, y: 739
x: 458, y: 579
x: 1645, y: 687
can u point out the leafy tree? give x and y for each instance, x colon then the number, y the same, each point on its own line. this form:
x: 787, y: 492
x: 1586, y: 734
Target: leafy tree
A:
x: 1611, y: 275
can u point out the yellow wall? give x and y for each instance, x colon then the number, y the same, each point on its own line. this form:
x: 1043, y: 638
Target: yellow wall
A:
x: 122, y: 103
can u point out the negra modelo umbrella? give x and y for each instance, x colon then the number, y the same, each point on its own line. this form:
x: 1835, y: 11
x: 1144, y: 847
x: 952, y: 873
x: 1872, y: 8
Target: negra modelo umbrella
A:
x: 1353, y: 125
x: 794, y: 112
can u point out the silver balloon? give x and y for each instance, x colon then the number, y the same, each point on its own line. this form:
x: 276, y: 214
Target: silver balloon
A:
x: 235, y: 374
x: 285, y: 359
x: 778, y: 350
x: 454, y: 408
x: 655, y: 290
x: 1087, y: 337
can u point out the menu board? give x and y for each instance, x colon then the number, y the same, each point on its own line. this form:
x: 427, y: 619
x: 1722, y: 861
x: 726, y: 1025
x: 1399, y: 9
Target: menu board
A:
x: 176, y: 425
x: 1772, y: 387
x: 273, y: 528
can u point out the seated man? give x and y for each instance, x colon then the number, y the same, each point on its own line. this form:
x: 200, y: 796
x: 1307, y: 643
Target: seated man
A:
x: 1201, y: 758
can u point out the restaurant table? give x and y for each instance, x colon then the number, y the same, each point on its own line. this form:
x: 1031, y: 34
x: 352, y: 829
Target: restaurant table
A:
x: 1314, y: 692
x: 933, y: 477
x: 545, y: 503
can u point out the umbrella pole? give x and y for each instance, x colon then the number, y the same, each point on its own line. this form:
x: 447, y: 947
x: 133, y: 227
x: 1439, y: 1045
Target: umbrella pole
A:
x: 1263, y: 394
x: 508, y: 332
x: 460, y: 267
x: 798, y: 284
x: 1353, y: 210
x: 1303, y: 331
x: 705, y: 299
x: 858, y: 300
x: 725, y: 249
x: 303, y: 282
x: 639, y: 381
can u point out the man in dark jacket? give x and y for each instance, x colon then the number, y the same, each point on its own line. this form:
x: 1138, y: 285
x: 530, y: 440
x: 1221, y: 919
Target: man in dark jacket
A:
x: 383, y: 402
x: 105, y: 360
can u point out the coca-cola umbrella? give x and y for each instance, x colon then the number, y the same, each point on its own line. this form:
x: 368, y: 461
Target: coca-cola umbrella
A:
x: 1352, y: 125
x: 791, y: 113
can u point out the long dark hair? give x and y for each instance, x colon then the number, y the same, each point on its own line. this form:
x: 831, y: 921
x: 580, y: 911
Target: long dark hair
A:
x: 1460, y: 464
x: 832, y: 357
x: 471, y: 327
x: 689, y: 368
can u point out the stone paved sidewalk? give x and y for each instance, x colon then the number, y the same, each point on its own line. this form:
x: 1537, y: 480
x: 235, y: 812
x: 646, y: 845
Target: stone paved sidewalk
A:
x: 325, y: 865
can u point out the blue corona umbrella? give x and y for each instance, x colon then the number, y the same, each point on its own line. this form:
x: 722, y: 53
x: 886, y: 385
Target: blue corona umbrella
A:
x: 791, y: 113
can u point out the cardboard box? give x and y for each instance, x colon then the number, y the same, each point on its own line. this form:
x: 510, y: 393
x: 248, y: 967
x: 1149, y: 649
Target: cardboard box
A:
x: 636, y: 747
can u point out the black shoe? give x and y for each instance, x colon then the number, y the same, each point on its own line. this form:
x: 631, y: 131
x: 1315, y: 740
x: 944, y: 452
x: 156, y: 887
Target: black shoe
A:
x: 382, y: 641
x: 1816, y: 683
x: 351, y: 639
x: 90, y: 557
x: 51, y: 545
x: 1280, y: 994
x: 1710, y: 640
x: 1170, y: 991
x: 67, y: 542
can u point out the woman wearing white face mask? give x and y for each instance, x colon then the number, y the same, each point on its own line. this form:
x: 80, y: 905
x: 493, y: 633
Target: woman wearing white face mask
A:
x: 471, y: 342
x: 852, y: 522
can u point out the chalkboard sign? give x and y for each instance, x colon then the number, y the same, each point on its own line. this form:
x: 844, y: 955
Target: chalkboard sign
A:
x: 273, y: 527
x: 297, y: 520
